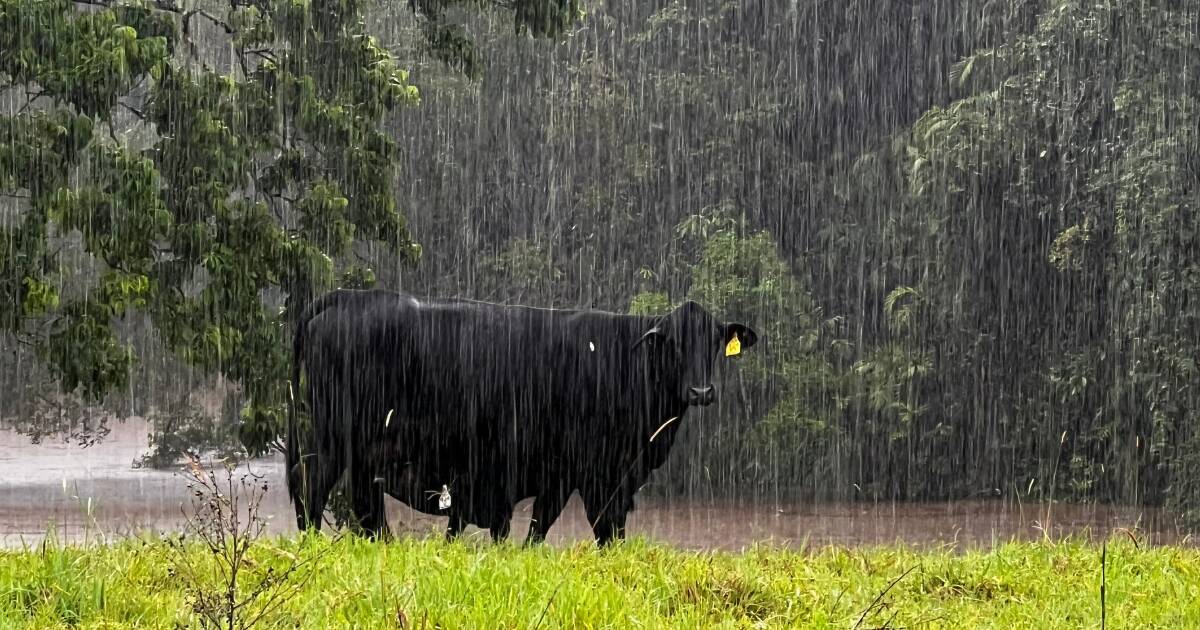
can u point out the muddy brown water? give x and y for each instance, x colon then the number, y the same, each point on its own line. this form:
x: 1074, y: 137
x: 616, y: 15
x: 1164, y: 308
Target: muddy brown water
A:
x: 95, y: 494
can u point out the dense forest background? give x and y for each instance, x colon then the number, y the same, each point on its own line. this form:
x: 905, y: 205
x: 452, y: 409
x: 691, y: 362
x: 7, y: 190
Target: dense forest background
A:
x: 966, y: 232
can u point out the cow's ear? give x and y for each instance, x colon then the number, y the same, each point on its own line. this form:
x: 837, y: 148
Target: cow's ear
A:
x: 650, y: 337
x: 745, y: 334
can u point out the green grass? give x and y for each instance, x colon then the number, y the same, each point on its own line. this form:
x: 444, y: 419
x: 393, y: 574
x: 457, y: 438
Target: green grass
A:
x: 359, y: 584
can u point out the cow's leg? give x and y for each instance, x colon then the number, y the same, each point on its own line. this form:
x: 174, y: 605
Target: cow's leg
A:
x: 499, y: 511
x: 456, y: 525
x: 609, y: 526
x: 317, y: 476
x: 319, y: 466
x: 501, y: 528
x: 546, y: 509
x: 299, y: 481
x: 367, y: 502
x: 606, y: 511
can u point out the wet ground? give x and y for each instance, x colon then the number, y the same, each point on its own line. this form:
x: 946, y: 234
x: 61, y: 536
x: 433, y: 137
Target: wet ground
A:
x: 95, y: 493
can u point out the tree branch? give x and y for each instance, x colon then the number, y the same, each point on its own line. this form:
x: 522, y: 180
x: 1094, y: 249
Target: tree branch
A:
x: 161, y: 5
x: 264, y: 53
x: 187, y: 17
x: 33, y: 96
x: 132, y: 109
x: 272, y: 200
x: 241, y: 58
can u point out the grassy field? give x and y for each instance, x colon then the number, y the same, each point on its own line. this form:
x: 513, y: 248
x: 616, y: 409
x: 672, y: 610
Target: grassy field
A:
x: 413, y: 583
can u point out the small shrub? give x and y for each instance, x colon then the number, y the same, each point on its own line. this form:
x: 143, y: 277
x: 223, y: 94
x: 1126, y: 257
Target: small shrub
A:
x: 228, y: 585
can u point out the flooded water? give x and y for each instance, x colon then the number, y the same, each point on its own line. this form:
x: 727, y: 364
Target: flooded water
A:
x: 95, y: 493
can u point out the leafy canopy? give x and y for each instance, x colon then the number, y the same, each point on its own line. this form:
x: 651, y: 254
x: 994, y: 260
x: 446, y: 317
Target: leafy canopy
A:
x: 216, y: 165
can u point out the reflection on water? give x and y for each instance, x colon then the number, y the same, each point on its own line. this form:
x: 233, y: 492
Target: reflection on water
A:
x: 90, y: 493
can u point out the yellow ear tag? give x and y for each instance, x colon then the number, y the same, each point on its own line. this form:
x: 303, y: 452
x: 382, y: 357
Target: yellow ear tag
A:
x: 733, y: 347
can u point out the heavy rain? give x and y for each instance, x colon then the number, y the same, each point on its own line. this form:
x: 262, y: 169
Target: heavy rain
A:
x: 715, y: 276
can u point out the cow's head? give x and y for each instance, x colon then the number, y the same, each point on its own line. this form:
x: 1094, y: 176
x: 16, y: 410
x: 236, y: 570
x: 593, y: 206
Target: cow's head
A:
x: 682, y: 347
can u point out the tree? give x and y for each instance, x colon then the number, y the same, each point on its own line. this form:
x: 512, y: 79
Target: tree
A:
x: 214, y: 165
x: 1064, y: 189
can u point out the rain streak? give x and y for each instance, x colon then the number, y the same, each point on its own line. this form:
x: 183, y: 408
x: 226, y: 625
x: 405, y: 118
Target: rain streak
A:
x: 530, y: 276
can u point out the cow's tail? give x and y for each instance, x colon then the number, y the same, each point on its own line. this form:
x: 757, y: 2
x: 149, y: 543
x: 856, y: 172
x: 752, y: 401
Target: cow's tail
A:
x: 292, y: 452
x: 295, y: 444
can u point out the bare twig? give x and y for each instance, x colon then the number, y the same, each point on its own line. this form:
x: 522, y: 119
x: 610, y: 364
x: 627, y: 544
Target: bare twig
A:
x: 1136, y: 544
x: 880, y: 596
x: 548, y: 602
x: 888, y: 623
x: 1103, y: 579
x: 226, y: 523
x: 837, y: 600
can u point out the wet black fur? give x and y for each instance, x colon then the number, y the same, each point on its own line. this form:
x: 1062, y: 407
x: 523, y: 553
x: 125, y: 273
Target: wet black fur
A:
x: 497, y: 402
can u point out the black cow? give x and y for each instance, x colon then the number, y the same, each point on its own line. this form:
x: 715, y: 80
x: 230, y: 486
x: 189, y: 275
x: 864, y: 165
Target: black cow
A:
x: 506, y: 402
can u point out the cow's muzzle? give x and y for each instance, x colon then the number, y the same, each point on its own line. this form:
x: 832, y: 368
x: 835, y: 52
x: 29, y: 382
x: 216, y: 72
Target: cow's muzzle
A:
x: 701, y: 396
